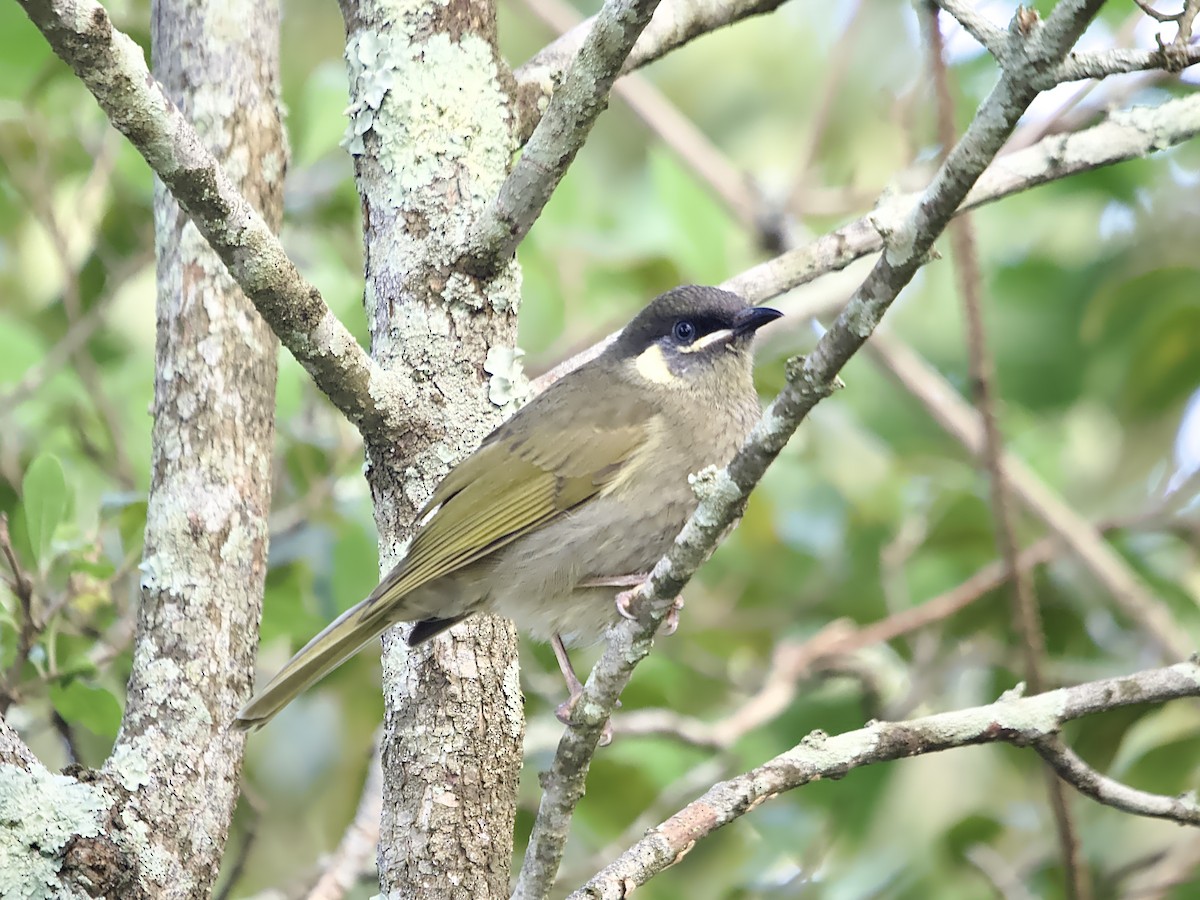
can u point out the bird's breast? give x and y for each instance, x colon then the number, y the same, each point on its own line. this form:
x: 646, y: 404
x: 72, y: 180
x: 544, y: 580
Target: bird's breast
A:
x: 623, y: 530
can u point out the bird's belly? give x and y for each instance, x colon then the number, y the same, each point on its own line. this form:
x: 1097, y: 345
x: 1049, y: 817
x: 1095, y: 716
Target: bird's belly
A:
x: 536, y: 579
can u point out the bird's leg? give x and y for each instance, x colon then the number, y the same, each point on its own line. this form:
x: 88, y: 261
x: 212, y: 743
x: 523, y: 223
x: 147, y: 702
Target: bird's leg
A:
x: 632, y: 585
x: 574, y: 690
x: 574, y: 685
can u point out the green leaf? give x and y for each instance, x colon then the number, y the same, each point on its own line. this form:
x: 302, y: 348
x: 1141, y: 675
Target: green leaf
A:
x: 87, y: 705
x: 1173, y: 723
x: 44, y: 491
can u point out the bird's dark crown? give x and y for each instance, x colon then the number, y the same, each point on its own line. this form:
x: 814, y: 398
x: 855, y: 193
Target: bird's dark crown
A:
x: 707, y: 309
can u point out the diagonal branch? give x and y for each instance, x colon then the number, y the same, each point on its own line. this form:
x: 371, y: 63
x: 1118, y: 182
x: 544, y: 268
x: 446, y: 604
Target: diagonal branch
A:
x: 1125, y: 135
x: 13, y: 750
x: 1073, y: 770
x: 1020, y: 721
x: 976, y: 24
x: 675, y: 22
x: 564, y: 127
x: 113, y: 68
x: 670, y: 126
x: 723, y: 493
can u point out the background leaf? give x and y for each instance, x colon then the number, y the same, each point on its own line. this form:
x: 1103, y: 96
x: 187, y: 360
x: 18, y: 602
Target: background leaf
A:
x: 44, y: 494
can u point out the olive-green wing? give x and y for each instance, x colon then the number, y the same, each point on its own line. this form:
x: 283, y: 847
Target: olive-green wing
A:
x: 508, y: 487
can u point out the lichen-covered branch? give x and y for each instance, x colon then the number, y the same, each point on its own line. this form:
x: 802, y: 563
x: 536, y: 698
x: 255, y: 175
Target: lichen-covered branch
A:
x: 13, y: 750
x: 1021, y: 721
x: 1026, y: 610
x: 1173, y: 57
x: 1126, y: 134
x: 976, y: 24
x: 568, y: 120
x: 723, y: 493
x: 674, y: 23
x: 1103, y: 63
x: 113, y: 68
x: 1071, y: 768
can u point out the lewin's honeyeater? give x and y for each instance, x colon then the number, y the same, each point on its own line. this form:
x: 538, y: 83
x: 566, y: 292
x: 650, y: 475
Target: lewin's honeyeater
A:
x: 583, y: 488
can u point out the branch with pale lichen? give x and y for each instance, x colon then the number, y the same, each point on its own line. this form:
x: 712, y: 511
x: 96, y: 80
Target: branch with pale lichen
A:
x: 113, y: 68
x: 1125, y: 135
x: 674, y: 24
x: 1020, y: 721
x: 565, y: 125
x: 723, y: 493
x: 1173, y: 57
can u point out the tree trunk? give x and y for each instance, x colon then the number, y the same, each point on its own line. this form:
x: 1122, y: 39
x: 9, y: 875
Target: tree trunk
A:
x: 214, y: 402
x: 430, y: 133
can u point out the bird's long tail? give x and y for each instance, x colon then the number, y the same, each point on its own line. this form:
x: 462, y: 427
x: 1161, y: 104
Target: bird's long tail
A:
x: 340, y: 640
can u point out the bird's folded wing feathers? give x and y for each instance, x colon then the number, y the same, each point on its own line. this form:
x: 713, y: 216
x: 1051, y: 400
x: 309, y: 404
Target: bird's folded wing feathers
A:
x: 507, y: 488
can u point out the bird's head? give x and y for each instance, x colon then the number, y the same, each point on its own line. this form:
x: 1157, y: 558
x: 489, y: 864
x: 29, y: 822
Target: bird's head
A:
x: 690, y: 335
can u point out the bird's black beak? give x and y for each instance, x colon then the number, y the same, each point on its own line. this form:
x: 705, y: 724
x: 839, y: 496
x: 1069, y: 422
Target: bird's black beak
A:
x: 753, y: 318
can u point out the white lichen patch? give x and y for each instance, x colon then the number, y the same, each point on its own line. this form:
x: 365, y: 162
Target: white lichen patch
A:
x: 130, y: 768
x: 428, y: 127
x: 716, y: 492
x: 861, y: 316
x: 331, y: 335
x: 463, y: 291
x: 156, y: 863
x: 508, y: 388
x: 39, y: 813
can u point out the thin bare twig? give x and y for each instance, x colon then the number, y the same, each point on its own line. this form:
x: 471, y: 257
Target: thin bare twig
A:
x: 354, y: 857
x: 675, y: 22
x: 989, y: 35
x: 237, y: 868
x: 677, y: 132
x: 1160, y: 876
x: 1126, y: 135
x: 38, y: 198
x: 840, y: 59
x: 998, y: 872
x: 1072, y: 769
x: 955, y: 416
x: 794, y: 660
x: 22, y: 586
x: 1026, y: 614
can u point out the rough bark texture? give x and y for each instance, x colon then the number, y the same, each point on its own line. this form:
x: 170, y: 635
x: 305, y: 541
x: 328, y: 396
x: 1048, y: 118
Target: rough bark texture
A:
x: 430, y: 133
x: 152, y: 823
x: 206, y: 529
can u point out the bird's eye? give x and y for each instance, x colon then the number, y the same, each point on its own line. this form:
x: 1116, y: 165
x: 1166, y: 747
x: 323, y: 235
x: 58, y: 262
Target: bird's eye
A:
x: 684, y: 331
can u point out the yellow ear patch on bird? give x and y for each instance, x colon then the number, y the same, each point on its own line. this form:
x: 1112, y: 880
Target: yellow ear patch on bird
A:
x: 652, y: 365
x: 706, y: 341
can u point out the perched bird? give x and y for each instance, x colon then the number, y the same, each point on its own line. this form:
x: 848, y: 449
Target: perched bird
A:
x: 580, y: 492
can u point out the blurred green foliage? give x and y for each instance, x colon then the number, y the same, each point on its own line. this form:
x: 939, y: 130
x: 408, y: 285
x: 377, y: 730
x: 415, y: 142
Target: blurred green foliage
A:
x: 1093, y: 305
